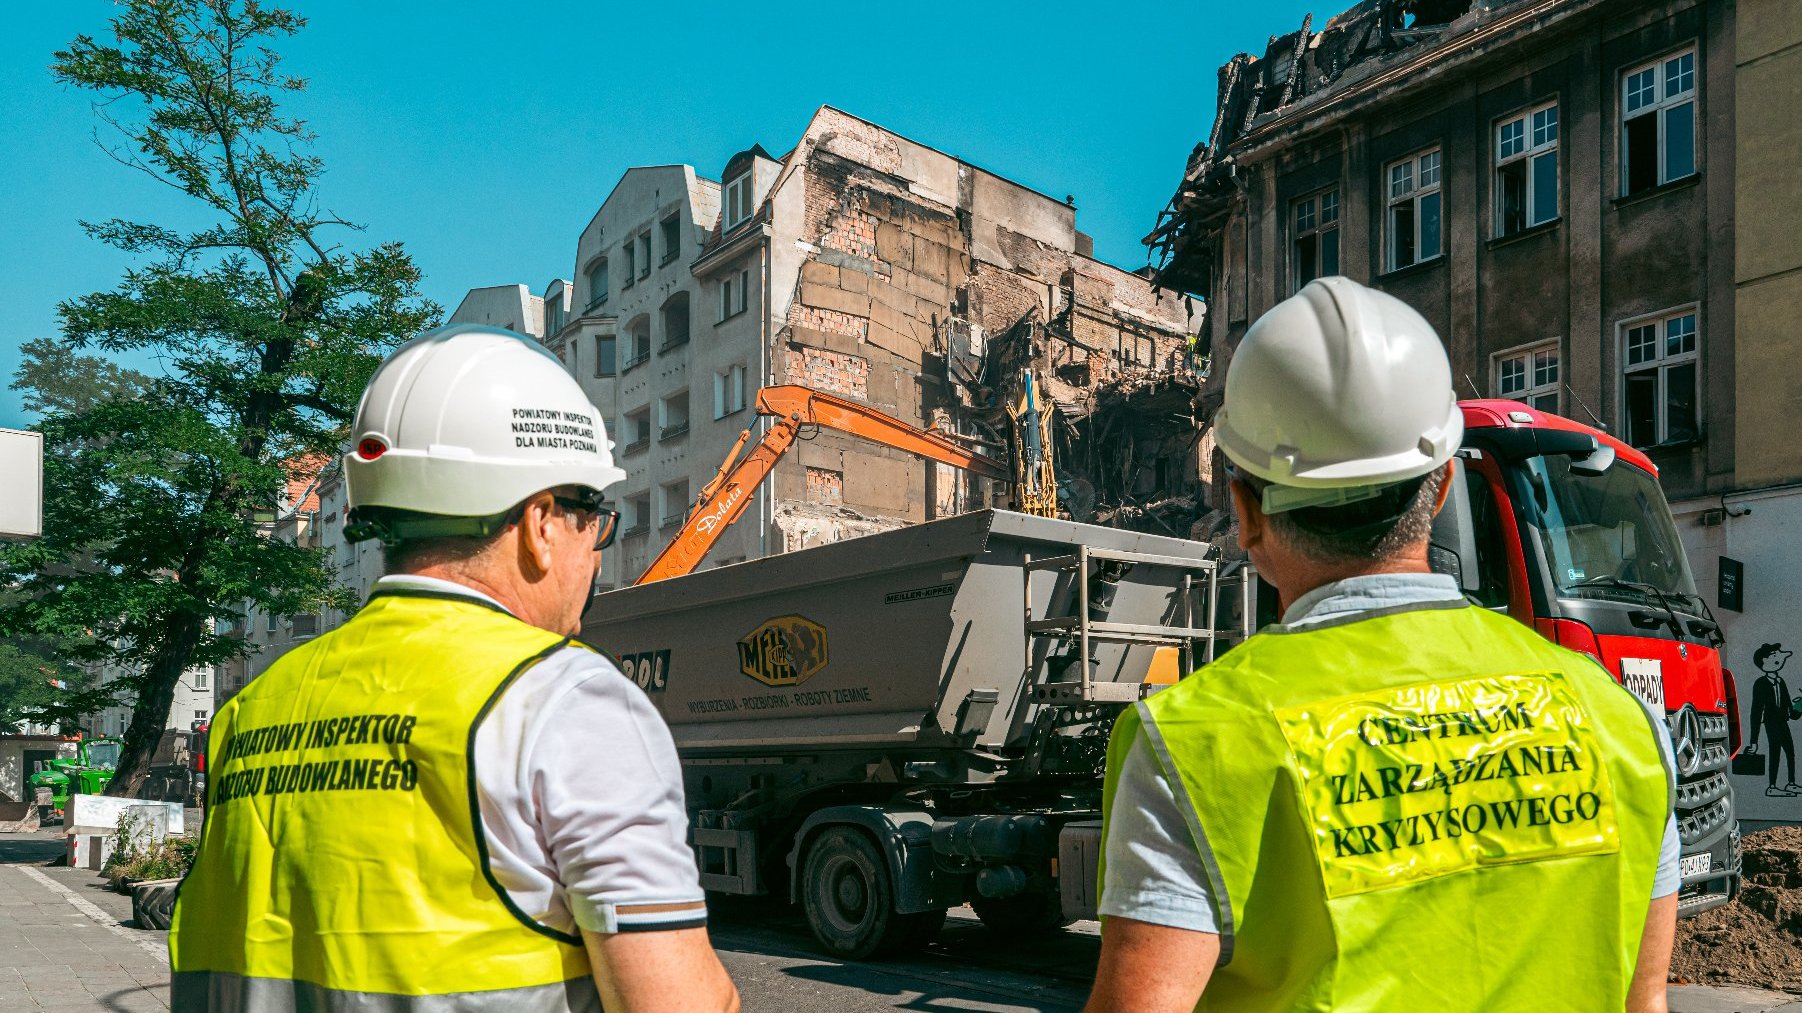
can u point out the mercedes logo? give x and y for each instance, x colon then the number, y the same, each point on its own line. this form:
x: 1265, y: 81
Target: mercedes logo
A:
x: 1686, y: 740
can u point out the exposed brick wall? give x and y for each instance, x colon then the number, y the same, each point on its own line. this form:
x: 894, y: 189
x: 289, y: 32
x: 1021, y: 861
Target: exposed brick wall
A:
x: 833, y: 372
x: 825, y: 486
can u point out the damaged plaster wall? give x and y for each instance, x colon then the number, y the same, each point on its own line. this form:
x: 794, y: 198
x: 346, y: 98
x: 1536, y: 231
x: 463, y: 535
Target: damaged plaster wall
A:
x: 932, y: 290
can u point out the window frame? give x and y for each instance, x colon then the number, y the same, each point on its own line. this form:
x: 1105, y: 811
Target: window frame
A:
x: 629, y: 250
x: 1318, y: 228
x: 667, y: 517
x: 729, y: 391
x: 1532, y: 149
x: 644, y: 251
x: 736, y: 204
x: 1661, y: 363
x: 1413, y: 196
x: 1660, y: 107
x: 667, y: 430
x: 734, y: 281
x: 599, y: 265
x: 631, y: 429
x: 1533, y: 388
x: 671, y: 227
x: 600, y: 359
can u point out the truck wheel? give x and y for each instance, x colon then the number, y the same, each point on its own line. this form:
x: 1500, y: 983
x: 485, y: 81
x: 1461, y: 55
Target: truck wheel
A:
x: 1026, y: 914
x: 850, y: 901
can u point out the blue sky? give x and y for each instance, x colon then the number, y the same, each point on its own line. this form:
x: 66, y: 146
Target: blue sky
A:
x: 485, y: 136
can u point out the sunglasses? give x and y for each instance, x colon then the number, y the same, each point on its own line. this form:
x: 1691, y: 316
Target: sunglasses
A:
x: 593, y: 503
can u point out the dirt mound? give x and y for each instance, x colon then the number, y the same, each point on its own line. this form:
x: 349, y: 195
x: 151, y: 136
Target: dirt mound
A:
x: 1757, y: 939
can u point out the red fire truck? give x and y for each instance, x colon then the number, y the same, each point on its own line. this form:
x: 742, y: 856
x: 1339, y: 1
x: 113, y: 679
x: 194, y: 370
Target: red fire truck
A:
x: 1565, y: 528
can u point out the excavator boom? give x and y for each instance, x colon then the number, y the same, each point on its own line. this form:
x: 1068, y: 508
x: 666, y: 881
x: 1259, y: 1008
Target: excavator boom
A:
x: 794, y: 408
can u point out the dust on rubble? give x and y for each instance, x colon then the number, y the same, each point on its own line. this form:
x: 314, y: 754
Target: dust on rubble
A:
x: 1757, y: 939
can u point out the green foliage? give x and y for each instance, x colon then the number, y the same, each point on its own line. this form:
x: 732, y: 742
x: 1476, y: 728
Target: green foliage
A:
x: 136, y: 857
x: 159, y: 489
x: 26, y: 695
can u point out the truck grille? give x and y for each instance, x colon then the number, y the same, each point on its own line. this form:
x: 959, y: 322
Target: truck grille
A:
x: 1705, y: 799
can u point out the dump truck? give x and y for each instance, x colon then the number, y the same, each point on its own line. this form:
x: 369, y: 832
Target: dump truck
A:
x: 883, y: 728
x: 1564, y: 527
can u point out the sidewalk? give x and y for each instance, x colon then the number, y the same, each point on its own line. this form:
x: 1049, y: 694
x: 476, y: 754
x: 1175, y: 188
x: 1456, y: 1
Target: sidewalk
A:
x: 64, y: 944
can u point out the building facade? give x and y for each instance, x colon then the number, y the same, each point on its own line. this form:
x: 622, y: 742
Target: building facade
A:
x: 872, y: 267
x: 1593, y: 202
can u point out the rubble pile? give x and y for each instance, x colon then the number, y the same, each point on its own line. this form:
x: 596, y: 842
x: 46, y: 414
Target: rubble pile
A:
x: 1757, y: 939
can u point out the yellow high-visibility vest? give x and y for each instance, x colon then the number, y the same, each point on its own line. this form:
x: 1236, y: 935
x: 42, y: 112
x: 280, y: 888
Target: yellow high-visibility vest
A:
x: 1430, y: 809
x: 343, y: 853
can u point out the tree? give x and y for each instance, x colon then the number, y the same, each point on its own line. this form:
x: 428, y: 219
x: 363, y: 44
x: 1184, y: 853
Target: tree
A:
x: 37, y: 686
x: 266, y: 331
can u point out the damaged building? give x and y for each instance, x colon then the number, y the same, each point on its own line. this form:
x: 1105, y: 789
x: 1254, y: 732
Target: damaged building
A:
x: 1547, y: 181
x: 870, y: 266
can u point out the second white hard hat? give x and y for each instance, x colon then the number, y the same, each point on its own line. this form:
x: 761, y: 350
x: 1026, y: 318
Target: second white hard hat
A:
x: 1339, y: 387
x: 467, y: 421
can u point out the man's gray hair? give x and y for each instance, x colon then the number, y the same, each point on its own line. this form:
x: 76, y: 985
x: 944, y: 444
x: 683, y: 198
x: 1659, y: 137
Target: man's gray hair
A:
x: 1382, y: 527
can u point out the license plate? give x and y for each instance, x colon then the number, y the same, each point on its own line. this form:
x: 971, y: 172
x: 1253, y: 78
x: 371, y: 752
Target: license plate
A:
x: 1645, y: 677
x: 1694, y: 865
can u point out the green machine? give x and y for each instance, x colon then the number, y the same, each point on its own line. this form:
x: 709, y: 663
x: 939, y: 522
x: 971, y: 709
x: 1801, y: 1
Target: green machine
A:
x: 85, y: 773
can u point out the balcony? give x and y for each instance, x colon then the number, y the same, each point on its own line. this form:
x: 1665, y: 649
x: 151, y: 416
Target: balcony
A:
x: 638, y: 359
x: 672, y: 431
x: 637, y: 446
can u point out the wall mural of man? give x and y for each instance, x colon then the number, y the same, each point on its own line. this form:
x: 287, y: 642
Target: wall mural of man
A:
x: 1773, y: 708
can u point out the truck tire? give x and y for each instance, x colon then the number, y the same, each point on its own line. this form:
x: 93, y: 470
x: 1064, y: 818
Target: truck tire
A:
x: 1026, y: 914
x: 850, y: 901
x: 153, y: 903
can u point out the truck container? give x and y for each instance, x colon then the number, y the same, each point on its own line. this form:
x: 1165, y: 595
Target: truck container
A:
x: 883, y: 728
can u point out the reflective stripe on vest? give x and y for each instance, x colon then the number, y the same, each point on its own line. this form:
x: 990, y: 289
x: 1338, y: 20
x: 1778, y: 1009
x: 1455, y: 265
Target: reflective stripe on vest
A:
x: 1425, y: 809
x: 342, y: 854
x: 218, y: 992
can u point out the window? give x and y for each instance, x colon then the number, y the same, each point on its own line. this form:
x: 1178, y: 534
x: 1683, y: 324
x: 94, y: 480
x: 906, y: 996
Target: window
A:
x: 673, y: 415
x: 1414, y: 210
x: 271, y: 624
x: 200, y: 715
x: 675, y: 321
x: 605, y: 355
x: 644, y: 255
x: 734, y: 294
x: 306, y: 625
x: 729, y: 391
x: 675, y: 503
x: 1530, y: 375
x: 1526, y: 170
x: 1316, y: 237
x: 553, y: 315
x: 631, y: 255
x: 672, y: 237
x: 738, y: 199
x: 638, y: 514
x: 638, y: 343
x: 1658, y: 123
x: 597, y: 283
x: 1659, y: 387
x: 637, y: 430
x: 200, y: 678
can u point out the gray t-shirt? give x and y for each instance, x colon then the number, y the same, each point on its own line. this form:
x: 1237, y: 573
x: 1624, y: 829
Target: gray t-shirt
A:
x: 581, y: 796
x: 1154, y: 867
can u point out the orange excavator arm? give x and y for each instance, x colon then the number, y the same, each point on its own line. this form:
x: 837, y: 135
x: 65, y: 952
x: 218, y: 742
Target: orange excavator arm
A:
x: 794, y: 408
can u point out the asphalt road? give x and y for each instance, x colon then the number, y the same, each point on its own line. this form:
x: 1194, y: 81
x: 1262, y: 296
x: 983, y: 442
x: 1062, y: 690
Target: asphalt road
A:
x: 770, y: 954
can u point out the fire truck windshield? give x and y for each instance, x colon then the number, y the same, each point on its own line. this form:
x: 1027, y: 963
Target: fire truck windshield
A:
x: 1609, y: 536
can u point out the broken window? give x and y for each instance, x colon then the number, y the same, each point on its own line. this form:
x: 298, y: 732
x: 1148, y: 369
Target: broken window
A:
x: 1531, y: 375
x: 1414, y: 220
x: 1526, y: 170
x: 738, y: 199
x: 1660, y: 394
x: 1658, y: 123
x: 1316, y: 252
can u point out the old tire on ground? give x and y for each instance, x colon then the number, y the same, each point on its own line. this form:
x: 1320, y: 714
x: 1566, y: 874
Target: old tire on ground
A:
x: 850, y: 899
x: 153, y: 903
x: 1026, y: 914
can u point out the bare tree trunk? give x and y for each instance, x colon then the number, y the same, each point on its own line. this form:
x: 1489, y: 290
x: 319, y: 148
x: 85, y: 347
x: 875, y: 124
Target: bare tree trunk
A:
x: 151, y: 713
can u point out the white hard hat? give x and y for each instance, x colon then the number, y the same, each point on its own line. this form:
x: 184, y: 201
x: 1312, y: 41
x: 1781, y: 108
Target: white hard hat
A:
x: 468, y: 421
x: 1341, y: 390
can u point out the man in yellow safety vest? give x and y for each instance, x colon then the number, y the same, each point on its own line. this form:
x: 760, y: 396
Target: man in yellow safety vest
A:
x: 448, y: 803
x: 1393, y: 800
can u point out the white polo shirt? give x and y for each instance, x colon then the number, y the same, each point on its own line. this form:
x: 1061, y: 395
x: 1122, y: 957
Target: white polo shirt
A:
x: 581, y: 795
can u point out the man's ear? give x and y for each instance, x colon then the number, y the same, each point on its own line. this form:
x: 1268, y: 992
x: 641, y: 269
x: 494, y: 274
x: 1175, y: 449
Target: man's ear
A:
x: 1446, y: 477
x: 1251, y: 515
x: 535, y: 521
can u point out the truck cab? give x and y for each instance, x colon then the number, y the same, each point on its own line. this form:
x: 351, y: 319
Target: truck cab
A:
x: 1565, y: 528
